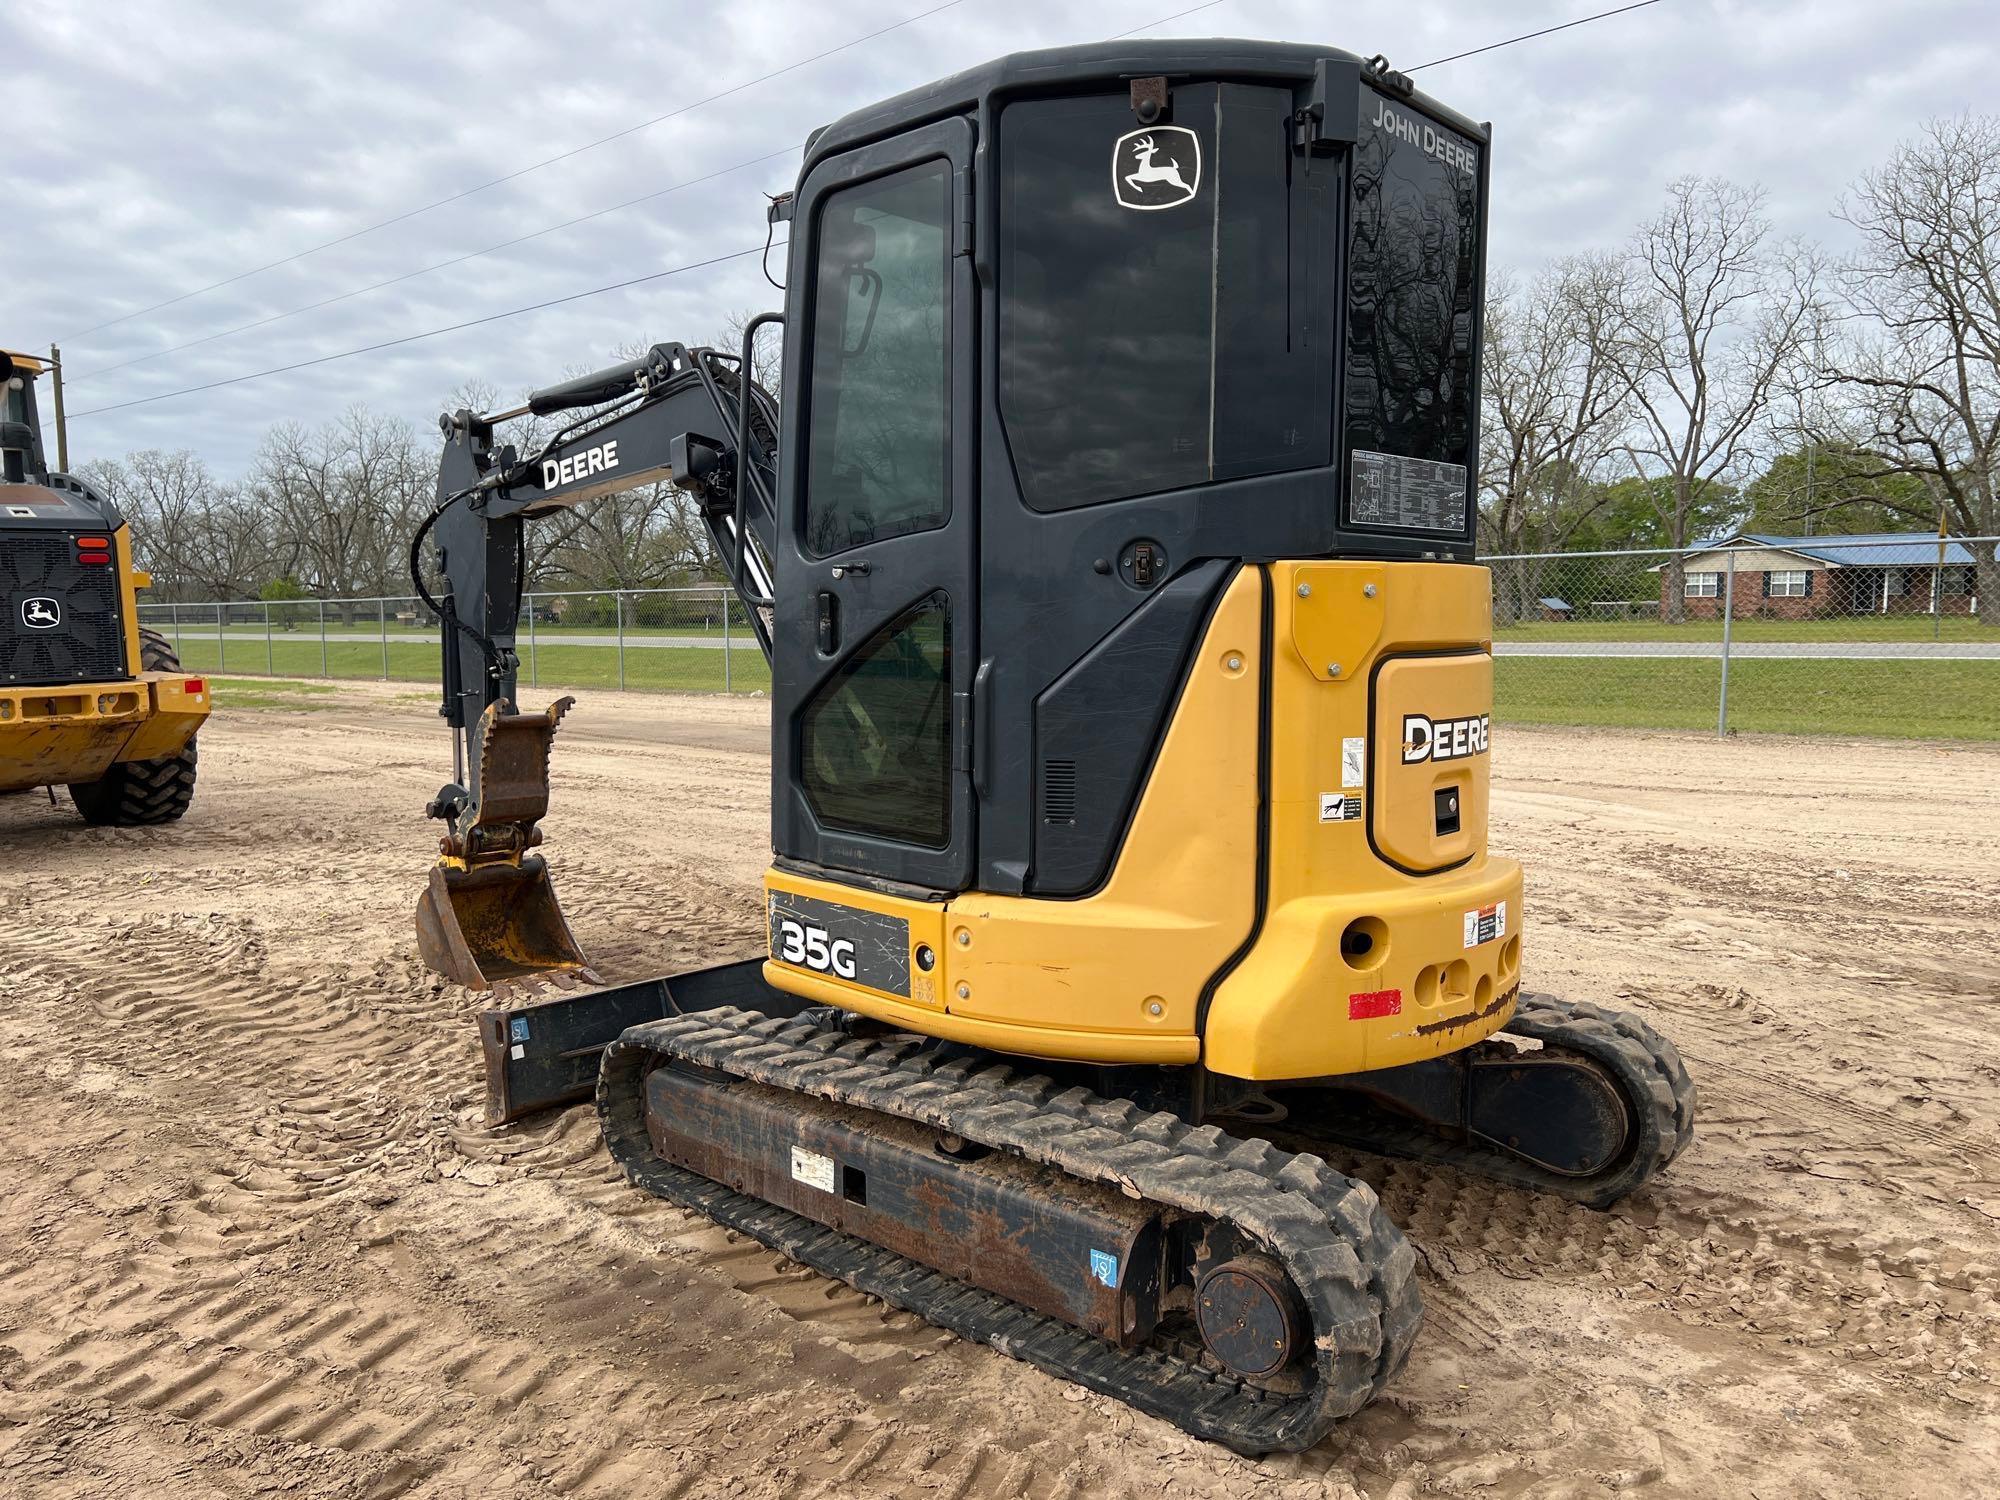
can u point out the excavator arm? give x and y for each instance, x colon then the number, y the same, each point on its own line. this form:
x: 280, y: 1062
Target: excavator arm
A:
x: 675, y: 414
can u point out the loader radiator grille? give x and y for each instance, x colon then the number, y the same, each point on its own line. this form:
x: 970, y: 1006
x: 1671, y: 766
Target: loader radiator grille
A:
x: 62, y: 621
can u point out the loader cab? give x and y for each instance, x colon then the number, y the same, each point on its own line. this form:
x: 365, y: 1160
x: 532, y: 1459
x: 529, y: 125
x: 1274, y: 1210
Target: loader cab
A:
x: 1070, y: 337
x: 21, y: 459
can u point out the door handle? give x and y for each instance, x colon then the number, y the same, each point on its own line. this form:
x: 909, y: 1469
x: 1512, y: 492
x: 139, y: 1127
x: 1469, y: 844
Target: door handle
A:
x: 828, y: 622
x: 981, y: 734
x: 850, y: 570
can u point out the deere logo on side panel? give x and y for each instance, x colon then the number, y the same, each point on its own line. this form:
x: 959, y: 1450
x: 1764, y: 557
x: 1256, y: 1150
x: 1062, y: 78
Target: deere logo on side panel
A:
x: 1159, y: 167
x: 41, y: 614
x: 1442, y: 739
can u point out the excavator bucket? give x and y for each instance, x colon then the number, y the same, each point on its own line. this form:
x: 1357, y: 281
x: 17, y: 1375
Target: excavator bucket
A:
x: 489, y: 912
x: 482, y: 925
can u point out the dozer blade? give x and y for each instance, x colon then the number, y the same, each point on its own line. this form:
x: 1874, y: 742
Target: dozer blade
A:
x: 492, y: 922
x: 489, y: 912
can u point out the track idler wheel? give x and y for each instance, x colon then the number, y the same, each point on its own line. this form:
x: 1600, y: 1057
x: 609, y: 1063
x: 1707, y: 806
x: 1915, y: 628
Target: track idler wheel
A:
x: 1250, y: 1316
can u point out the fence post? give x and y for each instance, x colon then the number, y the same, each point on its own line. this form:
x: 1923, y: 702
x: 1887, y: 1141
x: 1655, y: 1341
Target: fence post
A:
x: 725, y: 646
x: 382, y: 620
x: 174, y: 619
x: 221, y: 638
x: 1728, y: 618
x: 618, y: 605
x: 531, y: 640
x: 270, y: 660
x: 321, y: 603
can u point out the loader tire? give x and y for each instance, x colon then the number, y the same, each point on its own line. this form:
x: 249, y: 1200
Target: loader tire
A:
x: 136, y: 793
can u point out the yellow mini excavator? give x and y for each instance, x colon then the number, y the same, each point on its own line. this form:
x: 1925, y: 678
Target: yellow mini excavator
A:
x: 88, y: 698
x: 1112, y: 546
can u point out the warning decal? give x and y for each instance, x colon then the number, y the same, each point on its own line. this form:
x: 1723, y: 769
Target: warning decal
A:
x: 1353, y: 763
x: 1486, y: 924
x: 1104, y: 1268
x: 1336, y: 808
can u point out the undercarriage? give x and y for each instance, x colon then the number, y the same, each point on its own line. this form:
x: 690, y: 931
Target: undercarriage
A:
x: 1215, y: 1272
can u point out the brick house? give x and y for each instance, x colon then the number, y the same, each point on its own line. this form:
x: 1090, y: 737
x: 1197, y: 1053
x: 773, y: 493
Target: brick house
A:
x: 1819, y: 577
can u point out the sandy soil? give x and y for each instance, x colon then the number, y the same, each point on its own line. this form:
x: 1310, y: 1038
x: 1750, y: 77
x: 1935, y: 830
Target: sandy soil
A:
x: 254, y: 1240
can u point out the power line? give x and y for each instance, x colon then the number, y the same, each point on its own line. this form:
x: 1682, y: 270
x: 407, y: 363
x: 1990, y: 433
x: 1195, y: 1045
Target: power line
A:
x: 1528, y: 36
x: 430, y: 333
x: 456, y: 260
x: 511, y: 176
x: 1177, y: 15
x: 376, y: 286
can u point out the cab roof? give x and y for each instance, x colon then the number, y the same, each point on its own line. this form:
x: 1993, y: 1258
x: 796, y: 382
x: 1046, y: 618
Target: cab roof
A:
x: 27, y: 364
x: 1055, y: 69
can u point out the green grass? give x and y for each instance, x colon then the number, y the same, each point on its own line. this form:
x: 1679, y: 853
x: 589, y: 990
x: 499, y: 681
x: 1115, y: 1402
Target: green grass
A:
x: 1852, y: 628
x: 690, y: 669
x: 1932, y: 699
x: 309, y: 629
x: 1894, y: 700
x: 272, y: 692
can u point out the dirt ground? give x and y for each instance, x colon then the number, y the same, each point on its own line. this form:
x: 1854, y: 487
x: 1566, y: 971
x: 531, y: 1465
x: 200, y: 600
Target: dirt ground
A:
x: 253, y: 1238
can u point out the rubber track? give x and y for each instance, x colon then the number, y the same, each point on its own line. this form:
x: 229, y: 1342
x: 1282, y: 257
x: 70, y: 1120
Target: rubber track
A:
x: 136, y: 793
x: 1347, y: 1258
x: 1658, y: 1092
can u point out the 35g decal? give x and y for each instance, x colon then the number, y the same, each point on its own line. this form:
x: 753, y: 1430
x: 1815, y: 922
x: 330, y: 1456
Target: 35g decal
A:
x: 815, y: 948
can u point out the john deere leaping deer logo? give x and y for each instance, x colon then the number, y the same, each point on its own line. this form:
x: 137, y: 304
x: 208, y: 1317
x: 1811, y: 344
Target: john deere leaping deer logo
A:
x: 1156, y: 168
x: 41, y: 614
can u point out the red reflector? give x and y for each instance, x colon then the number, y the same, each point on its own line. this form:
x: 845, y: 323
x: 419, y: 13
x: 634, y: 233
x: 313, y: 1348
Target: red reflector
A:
x: 93, y: 541
x: 97, y: 558
x: 1372, y: 1003
x: 195, y: 685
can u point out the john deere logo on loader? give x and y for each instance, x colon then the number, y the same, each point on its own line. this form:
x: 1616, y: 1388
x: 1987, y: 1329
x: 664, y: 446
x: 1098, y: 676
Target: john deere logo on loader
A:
x: 1156, y: 168
x: 41, y: 614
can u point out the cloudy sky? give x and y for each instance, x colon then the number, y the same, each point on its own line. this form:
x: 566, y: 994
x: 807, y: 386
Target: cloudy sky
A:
x: 160, y: 148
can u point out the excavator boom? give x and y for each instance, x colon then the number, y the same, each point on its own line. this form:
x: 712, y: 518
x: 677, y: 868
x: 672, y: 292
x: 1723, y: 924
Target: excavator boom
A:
x: 489, y: 910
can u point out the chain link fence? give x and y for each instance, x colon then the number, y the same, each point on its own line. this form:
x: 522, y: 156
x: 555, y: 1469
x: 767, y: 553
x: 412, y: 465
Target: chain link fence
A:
x: 1893, y: 636
x: 658, y: 640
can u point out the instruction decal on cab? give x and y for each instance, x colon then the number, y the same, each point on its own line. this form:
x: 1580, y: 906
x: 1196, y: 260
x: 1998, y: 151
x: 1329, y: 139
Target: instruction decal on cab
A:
x: 1425, y: 738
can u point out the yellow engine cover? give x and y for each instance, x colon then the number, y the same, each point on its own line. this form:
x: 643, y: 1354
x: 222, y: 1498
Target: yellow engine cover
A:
x: 1348, y: 739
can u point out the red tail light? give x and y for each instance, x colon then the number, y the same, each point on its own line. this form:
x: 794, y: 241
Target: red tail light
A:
x: 97, y: 559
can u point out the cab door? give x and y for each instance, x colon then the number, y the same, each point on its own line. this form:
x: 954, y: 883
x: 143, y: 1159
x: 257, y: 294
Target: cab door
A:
x: 873, y: 641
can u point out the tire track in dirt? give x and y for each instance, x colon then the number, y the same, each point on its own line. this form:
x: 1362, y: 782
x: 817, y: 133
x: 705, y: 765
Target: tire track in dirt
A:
x: 1930, y: 1319
x: 179, y: 1336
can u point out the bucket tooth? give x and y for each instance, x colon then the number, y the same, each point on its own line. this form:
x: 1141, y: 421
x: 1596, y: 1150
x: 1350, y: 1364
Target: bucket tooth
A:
x: 489, y: 912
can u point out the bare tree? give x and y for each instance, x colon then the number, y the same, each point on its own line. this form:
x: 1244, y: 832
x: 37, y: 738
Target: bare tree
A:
x: 1918, y: 360
x: 767, y: 368
x: 199, y: 538
x: 1554, y: 407
x: 1712, y: 319
x: 344, y: 499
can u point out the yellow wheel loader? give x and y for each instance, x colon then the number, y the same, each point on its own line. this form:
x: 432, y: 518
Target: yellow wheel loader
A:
x: 1111, y: 540
x: 89, y: 699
